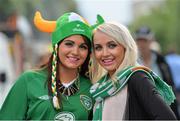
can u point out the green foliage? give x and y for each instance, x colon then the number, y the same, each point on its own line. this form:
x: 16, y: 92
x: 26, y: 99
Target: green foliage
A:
x: 50, y: 8
x: 164, y: 22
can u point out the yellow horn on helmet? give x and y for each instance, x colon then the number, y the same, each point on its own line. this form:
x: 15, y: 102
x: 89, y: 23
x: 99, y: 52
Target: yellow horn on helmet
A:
x: 44, y: 25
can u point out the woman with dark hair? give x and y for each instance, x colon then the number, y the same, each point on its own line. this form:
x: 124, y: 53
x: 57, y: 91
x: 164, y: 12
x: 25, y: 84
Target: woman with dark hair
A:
x: 60, y: 89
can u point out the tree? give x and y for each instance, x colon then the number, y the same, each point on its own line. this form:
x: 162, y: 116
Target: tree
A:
x: 164, y: 21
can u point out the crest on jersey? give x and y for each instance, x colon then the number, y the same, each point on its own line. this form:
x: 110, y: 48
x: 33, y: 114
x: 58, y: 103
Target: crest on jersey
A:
x: 65, y: 116
x: 86, y: 101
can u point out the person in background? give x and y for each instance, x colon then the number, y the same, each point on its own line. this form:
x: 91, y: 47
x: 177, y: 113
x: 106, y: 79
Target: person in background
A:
x: 8, y: 26
x: 155, y: 46
x: 60, y: 89
x: 122, y: 89
x: 173, y: 59
x: 154, y: 60
x: 6, y: 68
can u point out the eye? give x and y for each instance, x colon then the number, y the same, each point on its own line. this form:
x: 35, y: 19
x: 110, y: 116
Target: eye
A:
x: 83, y: 46
x: 69, y: 44
x: 112, y: 45
x: 97, y: 47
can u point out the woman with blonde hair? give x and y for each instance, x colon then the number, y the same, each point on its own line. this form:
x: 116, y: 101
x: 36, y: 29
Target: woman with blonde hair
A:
x: 122, y: 89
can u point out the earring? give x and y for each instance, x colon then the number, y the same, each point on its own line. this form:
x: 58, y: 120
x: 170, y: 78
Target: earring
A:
x: 79, y: 69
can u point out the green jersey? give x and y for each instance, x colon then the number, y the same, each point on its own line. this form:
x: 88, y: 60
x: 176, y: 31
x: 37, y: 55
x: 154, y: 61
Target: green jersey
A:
x: 28, y: 100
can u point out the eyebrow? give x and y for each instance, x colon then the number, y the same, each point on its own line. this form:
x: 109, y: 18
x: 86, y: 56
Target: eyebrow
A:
x: 112, y: 42
x: 107, y: 42
x: 83, y: 43
x: 68, y: 41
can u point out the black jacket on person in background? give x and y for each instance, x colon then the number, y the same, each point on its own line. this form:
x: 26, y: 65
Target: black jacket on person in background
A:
x: 167, y: 77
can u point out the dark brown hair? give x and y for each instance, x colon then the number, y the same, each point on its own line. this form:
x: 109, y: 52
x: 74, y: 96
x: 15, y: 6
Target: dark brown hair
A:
x: 83, y: 71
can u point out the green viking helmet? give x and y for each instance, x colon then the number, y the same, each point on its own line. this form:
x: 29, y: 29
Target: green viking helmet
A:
x: 66, y: 25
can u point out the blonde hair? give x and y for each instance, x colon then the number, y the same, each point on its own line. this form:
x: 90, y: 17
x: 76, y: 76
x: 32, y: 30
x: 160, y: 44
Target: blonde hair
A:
x: 120, y: 34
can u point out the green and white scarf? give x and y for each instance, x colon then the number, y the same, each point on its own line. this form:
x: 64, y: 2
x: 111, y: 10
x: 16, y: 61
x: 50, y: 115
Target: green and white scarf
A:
x: 106, y: 87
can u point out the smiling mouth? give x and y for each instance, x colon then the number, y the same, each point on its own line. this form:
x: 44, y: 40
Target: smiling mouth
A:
x: 107, y: 62
x: 73, y: 59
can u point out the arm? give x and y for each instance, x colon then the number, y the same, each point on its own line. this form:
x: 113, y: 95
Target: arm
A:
x: 149, y: 98
x: 15, y: 104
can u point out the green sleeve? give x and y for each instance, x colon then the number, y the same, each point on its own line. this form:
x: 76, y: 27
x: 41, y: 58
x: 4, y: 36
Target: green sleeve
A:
x: 15, y: 104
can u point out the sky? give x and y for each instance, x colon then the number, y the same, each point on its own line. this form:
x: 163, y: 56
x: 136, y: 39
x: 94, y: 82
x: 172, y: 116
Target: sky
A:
x: 111, y: 10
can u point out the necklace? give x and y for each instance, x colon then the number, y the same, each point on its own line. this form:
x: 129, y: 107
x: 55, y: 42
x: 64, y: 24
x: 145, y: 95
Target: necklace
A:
x: 70, y: 90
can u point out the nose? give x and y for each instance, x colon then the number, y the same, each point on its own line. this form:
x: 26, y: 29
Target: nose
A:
x: 105, y: 52
x: 75, y: 50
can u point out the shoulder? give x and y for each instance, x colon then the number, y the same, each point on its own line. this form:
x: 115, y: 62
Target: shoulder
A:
x: 137, y: 77
x: 140, y: 80
x: 31, y: 75
x: 37, y: 72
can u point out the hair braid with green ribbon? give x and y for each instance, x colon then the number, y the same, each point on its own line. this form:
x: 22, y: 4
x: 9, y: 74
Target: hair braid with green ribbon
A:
x: 54, y: 78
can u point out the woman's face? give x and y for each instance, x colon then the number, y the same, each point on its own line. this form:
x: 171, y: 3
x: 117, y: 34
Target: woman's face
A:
x: 108, y: 52
x: 72, y: 52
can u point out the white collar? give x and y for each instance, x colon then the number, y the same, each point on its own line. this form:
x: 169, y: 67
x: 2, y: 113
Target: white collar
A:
x: 68, y: 84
